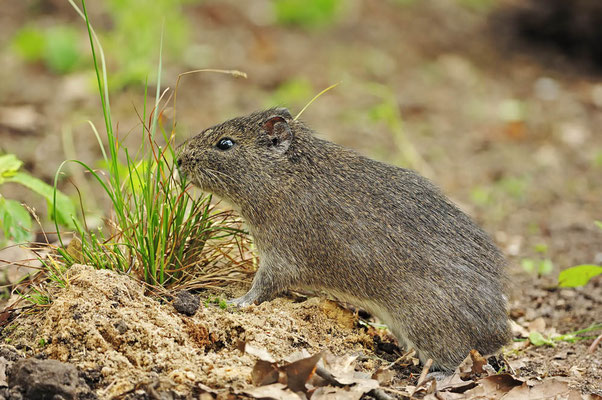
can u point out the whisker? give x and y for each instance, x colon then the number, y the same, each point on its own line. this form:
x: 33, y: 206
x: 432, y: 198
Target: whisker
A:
x: 222, y: 174
x: 215, y: 179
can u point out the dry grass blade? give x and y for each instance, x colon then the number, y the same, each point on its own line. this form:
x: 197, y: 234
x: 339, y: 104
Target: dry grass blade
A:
x: 315, y: 98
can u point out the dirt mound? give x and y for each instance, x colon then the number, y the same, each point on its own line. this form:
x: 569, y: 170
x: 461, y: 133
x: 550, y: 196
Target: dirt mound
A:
x: 103, y: 322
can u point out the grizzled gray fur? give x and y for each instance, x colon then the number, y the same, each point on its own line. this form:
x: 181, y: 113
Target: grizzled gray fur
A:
x: 377, y: 236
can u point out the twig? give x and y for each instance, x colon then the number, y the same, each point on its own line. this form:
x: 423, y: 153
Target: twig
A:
x: 423, y: 374
x: 327, y: 376
x: 405, y: 356
x: 379, y: 394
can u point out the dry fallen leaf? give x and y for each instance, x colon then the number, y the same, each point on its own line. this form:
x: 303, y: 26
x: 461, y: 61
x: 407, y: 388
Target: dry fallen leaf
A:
x: 472, y: 365
x: 384, y: 376
x: 493, y: 387
x: 299, y: 372
x: 351, y: 392
x: 455, y: 383
x: 264, y: 373
x: 537, y: 325
x: 290, y: 381
x: 275, y: 391
x: 341, y: 368
x: 549, y: 389
x: 518, y: 330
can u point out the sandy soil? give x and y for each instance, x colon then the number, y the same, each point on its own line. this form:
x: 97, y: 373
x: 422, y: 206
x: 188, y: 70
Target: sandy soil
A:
x: 104, y: 322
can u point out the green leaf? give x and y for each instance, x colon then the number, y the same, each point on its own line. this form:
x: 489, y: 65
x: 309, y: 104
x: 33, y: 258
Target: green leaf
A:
x: 15, y: 221
x: 578, y: 275
x: 64, y: 207
x: 9, y: 164
x: 598, y: 224
x: 537, y: 339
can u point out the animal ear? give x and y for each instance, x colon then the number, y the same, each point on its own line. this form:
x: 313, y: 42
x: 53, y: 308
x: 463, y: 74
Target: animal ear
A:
x: 278, y: 133
x: 284, y: 112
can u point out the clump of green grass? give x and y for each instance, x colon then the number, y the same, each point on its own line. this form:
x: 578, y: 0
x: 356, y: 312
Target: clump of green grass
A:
x: 158, y: 230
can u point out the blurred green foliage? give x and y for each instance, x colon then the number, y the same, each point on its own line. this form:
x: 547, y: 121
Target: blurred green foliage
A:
x: 133, y: 41
x: 540, y: 264
x: 307, y: 13
x: 597, y: 161
x: 61, y: 51
x: 56, y: 47
x: 386, y: 110
x: 29, y: 43
x: 292, y: 93
x: 492, y: 195
x: 535, y: 266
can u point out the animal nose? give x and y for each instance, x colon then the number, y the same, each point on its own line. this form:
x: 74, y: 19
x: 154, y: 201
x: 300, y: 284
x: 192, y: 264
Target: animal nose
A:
x: 179, y: 161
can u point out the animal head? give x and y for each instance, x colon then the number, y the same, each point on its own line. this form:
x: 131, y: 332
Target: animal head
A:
x: 226, y: 158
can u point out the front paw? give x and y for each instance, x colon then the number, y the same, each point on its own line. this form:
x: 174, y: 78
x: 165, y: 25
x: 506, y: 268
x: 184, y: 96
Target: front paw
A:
x: 242, y: 301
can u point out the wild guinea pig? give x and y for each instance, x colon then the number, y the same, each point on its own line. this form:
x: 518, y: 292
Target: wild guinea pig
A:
x: 380, y: 237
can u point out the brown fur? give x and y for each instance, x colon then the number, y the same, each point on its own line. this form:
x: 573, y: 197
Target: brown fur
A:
x: 378, y: 236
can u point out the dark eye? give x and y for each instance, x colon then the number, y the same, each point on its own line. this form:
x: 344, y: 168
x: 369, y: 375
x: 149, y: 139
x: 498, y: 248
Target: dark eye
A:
x: 225, y: 144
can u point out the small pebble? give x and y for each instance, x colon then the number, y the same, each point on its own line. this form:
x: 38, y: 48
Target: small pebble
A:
x: 121, y: 327
x: 186, y: 303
